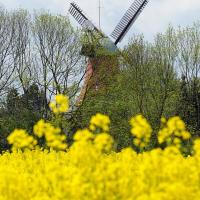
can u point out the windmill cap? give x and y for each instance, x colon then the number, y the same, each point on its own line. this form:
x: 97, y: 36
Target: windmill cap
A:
x: 108, y: 44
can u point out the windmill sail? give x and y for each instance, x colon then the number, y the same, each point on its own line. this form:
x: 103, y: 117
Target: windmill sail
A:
x: 81, y: 18
x: 128, y: 19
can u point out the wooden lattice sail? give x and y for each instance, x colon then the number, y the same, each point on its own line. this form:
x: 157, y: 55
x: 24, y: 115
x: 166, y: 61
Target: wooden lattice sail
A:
x: 128, y: 19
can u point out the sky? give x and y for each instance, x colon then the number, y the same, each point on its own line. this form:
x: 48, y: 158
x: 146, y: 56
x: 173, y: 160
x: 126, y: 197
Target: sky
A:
x: 155, y: 18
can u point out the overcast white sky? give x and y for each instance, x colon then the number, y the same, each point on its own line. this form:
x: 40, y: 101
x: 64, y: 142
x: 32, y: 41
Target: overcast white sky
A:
x: 155, y: 18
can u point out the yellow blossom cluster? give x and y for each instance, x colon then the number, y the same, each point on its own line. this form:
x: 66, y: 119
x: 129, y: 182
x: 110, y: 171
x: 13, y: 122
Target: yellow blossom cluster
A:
x: 141, y: 130
x: 61, y: 104
x: 196, y: 147
x: 83, y: 135
x: 20, y: 139
x: 90, y: 169
x: 173, y: 132
x: 84, y: 172
x: 103, y: 141
x: 100, y: 121
x: 52, y: 135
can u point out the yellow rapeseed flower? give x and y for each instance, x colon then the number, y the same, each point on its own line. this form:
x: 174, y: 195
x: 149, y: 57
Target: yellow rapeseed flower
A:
x: 61, y: 104
x: 104, y: 142
x: 141, y: 130
x: 20, y: 139
x: 39, y: 129
x: 100, y: 121
x: 83, y: 135
x: 196, y: 147
x: 52, y: 135
x: 91, y: 170
x: 173, y: 132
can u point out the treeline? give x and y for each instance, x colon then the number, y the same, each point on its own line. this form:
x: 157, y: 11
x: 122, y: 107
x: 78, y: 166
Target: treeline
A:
x: 39, y: 49
x: 40, y: 57
x: 157, y: 79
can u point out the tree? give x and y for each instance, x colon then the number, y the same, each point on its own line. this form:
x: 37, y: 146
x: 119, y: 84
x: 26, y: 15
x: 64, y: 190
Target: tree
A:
x: 22, y: 50
x: 151, y: 76
x: 189, y: 67
x: 6, y: 60
x: 59, y: 63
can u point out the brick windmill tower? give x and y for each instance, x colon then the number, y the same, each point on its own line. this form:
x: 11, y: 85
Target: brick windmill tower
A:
x: 100, y: 50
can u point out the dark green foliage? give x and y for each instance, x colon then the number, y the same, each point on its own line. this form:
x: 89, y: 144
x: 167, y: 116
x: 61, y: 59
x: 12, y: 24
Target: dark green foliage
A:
x: 189, y: 104
x: 144, y: 78
x: 143, y: 84
x: 20, y: 111
x: 113, y: 103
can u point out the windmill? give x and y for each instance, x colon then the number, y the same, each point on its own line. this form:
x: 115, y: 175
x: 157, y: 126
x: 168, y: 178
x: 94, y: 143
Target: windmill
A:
x: 97, y: 42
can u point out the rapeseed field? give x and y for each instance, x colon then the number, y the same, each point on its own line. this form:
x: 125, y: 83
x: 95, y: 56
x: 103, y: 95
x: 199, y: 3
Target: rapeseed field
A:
x: 91, y: 169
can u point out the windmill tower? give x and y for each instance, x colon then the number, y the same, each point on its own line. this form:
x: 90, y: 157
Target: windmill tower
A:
x: 99, y: 49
